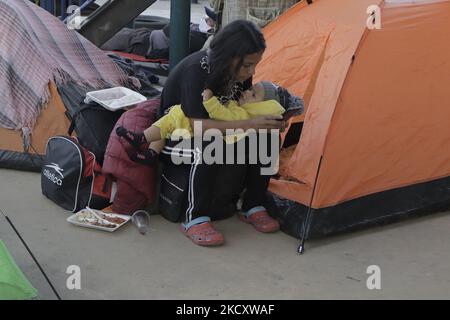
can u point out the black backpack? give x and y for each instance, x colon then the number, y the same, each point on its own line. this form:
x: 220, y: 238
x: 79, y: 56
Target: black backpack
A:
x: 173, y: 189
x: 72, y: 178
x: 91, y: 122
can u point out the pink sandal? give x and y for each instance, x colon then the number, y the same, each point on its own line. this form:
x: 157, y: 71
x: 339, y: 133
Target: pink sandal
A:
x: 261, y: 220
x: 203, y: 234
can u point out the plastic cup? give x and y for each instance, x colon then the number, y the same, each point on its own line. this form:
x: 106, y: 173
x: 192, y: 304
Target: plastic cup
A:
x: 141, y: 220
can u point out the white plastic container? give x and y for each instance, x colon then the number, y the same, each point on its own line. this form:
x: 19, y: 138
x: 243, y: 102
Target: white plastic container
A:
x: 115, y: 98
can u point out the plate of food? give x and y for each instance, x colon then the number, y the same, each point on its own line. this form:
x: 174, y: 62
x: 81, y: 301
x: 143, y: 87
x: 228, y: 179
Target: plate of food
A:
x: 97, y: 219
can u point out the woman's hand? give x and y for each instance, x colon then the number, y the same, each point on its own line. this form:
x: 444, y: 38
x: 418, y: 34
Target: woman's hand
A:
x: 207, y: 94
x: 267, y: 122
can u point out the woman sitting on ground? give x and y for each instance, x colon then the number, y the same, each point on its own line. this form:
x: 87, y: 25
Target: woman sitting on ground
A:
x: 226, y: 69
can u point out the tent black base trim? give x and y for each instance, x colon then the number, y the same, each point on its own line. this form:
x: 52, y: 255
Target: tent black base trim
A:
x: 372, y: 210
x: 20, y: 161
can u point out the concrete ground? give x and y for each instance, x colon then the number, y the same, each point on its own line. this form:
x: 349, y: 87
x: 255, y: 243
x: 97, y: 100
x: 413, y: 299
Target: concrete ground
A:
x: 412, y: 256
x: 161, y: 8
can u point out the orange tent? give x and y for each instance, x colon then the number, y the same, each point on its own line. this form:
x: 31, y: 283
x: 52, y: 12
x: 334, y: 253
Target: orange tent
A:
x: 375, y: 137
x: 52, y: 121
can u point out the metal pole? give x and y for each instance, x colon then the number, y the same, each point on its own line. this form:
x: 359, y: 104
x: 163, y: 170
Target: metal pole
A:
x: 306, y: 222
x: 180, y: 16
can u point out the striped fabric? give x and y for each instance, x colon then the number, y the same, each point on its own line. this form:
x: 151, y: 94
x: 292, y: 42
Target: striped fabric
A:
x: 36, y: 48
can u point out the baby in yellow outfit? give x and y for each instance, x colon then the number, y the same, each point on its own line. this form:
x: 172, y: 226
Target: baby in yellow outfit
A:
x: 263, y: 98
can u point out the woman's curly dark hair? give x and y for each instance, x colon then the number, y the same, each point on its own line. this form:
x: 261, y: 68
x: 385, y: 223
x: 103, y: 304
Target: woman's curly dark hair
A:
x: 236, y: 40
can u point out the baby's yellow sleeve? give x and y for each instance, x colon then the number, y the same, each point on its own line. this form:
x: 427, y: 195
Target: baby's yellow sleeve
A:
x: 219, y: 112
x: 263, y: 108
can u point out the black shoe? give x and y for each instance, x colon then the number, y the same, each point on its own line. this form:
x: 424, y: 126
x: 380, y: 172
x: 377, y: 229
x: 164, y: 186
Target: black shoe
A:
x: 135, y: 139
x: 147, y: 157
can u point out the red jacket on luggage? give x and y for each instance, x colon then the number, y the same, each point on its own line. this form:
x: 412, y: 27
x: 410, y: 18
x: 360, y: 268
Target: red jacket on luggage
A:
x: 135, y: 182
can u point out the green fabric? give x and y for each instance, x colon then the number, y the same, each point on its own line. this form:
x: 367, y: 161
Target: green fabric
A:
x: 13, y: 284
